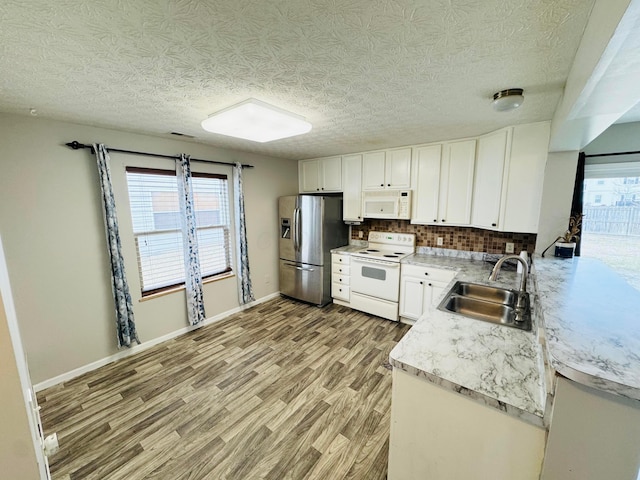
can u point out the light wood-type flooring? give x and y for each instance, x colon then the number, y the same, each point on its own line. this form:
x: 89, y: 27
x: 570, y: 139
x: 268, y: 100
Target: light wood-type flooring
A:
x: 283, y: 390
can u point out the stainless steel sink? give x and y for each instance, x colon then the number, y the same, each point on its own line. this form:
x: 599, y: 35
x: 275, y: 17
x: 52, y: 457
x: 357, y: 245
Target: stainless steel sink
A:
x: 485, y: 292
x: 489, y: 304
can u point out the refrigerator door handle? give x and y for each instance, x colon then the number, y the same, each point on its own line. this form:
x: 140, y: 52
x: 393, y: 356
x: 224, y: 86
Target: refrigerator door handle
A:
x: 296, y: 229
x: 300, y: 268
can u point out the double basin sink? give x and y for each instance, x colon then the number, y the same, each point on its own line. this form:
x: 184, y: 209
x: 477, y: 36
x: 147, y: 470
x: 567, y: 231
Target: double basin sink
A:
x: 501, y: 306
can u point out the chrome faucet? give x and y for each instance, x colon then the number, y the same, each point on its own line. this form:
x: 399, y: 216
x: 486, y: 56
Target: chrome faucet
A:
x: 525, y: 270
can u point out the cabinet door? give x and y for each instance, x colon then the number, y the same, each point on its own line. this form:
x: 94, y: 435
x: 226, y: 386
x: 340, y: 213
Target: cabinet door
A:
x: 522, y: 191
x: 352, y: 187
x: 426, y: 181
x: 373, y: 171
x: 309, y: 175
x: 456, y: 183
x: 412, y: 293
x: 437, y: 290
x: 398, y: 168
x: 331, y: 174
x: 487, y: 187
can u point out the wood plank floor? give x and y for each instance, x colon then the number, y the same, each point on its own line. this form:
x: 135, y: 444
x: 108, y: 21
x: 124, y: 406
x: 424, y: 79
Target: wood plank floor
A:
x: 283, y: 390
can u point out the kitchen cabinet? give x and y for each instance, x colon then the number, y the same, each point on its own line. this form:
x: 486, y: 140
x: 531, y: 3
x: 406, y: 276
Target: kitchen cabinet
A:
x: 420, y: 288
x: 352, y: 182
x: 456, y: 182
x: 443, y: 181
x: 341, y: 278
x: 438, y: 433
x: 320, y: 175
x: 426, y: 183
x: 487, y: 186
x: 387, y: 169
x: 524, y: 178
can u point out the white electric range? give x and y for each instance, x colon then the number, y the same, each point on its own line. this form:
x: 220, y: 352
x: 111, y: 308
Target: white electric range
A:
x: 375, y: 273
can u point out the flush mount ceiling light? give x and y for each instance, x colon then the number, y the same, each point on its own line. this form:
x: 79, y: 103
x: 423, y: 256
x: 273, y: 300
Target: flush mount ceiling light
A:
x: 507, y: 100
x: 257, y: 121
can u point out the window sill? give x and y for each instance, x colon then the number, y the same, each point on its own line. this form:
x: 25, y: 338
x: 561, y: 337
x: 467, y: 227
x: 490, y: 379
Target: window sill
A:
x: 180, y: 288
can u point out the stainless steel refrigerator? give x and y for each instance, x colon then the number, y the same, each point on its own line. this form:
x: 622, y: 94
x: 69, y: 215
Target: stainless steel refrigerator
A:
x: 310, y: 226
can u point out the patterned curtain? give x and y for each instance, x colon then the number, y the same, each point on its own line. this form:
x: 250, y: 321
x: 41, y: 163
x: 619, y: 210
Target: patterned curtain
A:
x: 193, y: 278
x: 125, y: 325
x: 245, y: 291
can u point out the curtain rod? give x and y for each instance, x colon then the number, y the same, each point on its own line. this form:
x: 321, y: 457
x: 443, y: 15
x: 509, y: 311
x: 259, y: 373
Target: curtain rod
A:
x: 610, y: 154
x: 77, y: 146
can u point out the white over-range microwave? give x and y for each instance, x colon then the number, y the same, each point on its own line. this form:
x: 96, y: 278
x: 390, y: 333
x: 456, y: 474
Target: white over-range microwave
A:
x: 389, y: 204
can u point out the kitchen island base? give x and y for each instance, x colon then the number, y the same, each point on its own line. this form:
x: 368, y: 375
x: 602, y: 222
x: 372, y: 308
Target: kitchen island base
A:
x: 438, y: 433
x: 593, y: 435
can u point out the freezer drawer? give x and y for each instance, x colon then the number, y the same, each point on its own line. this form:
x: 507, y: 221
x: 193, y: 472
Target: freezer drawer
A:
x: 304, y: 282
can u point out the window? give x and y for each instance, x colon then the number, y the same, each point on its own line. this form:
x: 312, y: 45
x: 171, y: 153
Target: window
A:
x: 155, y: 214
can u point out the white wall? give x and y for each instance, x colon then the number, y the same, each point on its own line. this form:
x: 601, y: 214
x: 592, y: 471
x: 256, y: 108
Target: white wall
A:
x: 557, y: 196
x: 53, y: 232
x: 18, y: 443
x: 624, y: 137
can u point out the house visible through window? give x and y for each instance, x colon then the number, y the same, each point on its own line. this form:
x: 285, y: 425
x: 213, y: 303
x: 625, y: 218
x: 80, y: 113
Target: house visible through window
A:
x: 155, y: 213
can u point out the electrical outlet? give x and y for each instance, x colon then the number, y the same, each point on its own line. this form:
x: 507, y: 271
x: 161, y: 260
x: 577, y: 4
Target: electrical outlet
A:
x: 360, y: 234
x: 440, y: 241
x: 509, y: 247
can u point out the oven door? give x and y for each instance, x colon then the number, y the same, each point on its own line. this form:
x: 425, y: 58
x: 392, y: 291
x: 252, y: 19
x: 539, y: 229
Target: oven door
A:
x: 375, y: 278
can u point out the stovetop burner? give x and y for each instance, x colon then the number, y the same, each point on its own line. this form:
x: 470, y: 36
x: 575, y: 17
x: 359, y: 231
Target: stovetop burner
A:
x: 390, y: 255
x: 372, y: 250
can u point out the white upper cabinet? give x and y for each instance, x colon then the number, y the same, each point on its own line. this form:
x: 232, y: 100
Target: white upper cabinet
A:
x: 320, y: 175
x: 352, y: 181
x: 524, y: 178
x: 443, y: 183
x: 456, y: 182
x: 389, y: 169
x: 487, y: 188
x: 426, y: 183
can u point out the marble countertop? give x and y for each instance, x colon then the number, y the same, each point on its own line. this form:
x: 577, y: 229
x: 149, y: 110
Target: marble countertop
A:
x: 500, y: 366
x: 353, y: 247
x: 591, y: 318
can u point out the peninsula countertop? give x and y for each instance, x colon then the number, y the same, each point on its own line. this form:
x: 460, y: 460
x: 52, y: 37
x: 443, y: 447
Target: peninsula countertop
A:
x: 591, y: 317
x: 500, y: 366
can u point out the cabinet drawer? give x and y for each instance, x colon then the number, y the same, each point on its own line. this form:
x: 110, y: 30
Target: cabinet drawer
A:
x: 340, y: 279
x: 428, y: 272
x: 341, y: 269
x: 340, y: 259
x: 341, y: 292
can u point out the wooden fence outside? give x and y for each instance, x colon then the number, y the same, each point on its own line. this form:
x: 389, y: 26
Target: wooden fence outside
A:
x: 612, y: 220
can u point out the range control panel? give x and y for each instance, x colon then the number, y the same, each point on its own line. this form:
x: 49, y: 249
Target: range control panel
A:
x: 391, y: 238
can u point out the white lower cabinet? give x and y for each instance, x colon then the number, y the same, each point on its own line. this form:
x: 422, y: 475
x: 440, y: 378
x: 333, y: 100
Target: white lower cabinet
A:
x: 340, y: 278
x: 420, y: 288
x: 437, y: 433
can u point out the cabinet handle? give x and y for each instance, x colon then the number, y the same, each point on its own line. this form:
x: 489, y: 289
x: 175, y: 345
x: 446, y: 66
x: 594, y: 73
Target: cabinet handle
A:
x: 494, y: 224
x: 430, y: 285
x: 382, y: 184
x: 435, y: 220
x: 426, y: 273
x: 322, y: 188
x: 443, y: 220
x: 421, y: 283
x: 388, y: 184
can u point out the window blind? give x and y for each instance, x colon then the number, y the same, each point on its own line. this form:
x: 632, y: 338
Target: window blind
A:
x: 155, y: 215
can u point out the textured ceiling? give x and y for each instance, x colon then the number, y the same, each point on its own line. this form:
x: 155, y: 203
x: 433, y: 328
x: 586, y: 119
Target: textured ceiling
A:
x: 366, y: 73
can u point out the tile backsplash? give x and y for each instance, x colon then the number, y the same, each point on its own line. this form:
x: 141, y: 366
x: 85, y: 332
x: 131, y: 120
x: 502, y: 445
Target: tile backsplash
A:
x: 455, y: 238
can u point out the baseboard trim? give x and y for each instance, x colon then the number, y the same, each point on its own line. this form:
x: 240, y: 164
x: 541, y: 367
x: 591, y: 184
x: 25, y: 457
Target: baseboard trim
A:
x: 65, y: 377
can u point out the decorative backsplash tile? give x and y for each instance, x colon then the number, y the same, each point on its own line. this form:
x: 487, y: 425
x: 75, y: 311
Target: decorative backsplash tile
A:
x: 455, y: 238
